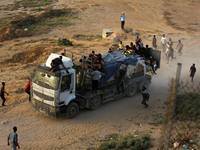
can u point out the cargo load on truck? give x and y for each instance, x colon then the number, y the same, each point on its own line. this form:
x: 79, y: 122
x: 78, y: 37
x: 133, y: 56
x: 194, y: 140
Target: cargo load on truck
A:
x: 113, y: 62
x: 135, y: 64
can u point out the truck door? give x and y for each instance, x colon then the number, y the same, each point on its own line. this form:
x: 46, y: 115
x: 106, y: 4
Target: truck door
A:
x: 66, y: 89
x: 156, y: 54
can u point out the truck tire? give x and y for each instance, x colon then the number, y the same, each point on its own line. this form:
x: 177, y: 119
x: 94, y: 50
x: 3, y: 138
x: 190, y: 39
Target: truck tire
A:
x: 145, y: 83
x: 131, y: 89
x: 72, y: 110
x: 95, y: 103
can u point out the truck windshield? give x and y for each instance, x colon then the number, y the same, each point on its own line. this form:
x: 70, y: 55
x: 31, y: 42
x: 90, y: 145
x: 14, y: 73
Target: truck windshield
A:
x: 45, y: 80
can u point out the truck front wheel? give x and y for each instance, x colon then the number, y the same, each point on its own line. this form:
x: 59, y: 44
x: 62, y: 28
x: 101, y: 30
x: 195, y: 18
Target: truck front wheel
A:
x: 72, y: 110
x: 95, y: 103
x: 131, y: 89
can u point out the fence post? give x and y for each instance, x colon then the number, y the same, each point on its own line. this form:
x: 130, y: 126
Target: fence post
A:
x: 172, y: 103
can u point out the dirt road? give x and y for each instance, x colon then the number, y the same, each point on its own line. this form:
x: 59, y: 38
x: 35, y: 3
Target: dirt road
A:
x: 126, y: 115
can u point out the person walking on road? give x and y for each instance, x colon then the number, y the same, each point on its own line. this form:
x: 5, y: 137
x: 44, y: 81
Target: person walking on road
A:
x: 122, y: 20
x: 27, y: 89
x: 192, y: 72
x: 13, y: 139
x: 180, y: 47
x: 145, y: 96
x: 2, y: 93
x: 163, y: 42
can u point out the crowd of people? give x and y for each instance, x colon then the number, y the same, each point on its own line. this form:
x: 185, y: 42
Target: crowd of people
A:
x: 167, y: 47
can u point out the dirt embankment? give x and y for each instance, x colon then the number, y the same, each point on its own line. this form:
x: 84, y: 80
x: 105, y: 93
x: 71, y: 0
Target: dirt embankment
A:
x: 18, y: 58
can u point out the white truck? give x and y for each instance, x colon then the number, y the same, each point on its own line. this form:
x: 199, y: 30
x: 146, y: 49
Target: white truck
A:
x: 61, y: 93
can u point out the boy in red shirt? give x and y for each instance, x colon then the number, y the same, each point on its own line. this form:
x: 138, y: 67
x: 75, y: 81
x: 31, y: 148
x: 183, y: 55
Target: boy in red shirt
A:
x: 27, y: 90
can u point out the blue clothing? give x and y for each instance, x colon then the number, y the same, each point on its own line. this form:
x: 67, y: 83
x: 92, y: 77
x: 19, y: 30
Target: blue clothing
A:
x: 123, y: 17
x: 12, y: 137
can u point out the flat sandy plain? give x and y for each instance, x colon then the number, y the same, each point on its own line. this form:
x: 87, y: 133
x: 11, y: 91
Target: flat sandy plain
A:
x: 176, y: 19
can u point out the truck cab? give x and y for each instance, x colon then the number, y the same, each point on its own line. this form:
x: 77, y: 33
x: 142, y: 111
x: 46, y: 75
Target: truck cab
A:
x: 51, y: 92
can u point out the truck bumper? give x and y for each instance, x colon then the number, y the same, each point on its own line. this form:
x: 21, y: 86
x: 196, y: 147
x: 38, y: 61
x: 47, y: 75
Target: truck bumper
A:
x: 46, y: 109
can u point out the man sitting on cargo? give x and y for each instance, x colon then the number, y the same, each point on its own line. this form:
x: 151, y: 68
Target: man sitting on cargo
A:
x: 127, y: 51
x: 120, y: 46
x: 99, y: 60
x: 55, y: 64
x: 133, y: 48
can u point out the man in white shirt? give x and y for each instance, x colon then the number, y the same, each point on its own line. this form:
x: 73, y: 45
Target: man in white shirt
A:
x: 163, y: 42
x: 95, y: 79
x: 122, y: 20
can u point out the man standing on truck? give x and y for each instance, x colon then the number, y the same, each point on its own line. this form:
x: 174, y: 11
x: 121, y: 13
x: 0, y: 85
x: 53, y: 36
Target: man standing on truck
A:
x: 145, y: 96
x: 95, y: 79
x: 55, y: 64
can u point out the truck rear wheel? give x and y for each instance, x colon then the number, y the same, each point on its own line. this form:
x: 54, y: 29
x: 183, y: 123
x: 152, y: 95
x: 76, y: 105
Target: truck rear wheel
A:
x: 72, y: 110
x: 145, y: 83
x: 131, y: 89
x: 95, y: 103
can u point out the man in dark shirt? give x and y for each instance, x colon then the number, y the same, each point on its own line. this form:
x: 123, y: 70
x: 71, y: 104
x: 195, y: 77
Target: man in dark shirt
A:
x: 55, y: 64
x: 13, y: 139
x: 192, y: 72
x: 145, y: 96
x: 2, y: 93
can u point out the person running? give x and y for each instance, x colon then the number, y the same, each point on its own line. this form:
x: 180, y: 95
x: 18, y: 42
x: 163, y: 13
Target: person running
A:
x: 2, y: 93
x: 13, y: 139
x: 180, y: 47
x: 122, y: 20
x: 145, y: 96
x: 163, y: 42
x: 27, y: 89
x: 192, y: 72
x: 167, y: 52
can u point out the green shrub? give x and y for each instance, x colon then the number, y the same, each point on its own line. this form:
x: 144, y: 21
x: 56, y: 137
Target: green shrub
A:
x: 104, y: 146
x: 188, y: 107
x: 127, y: 142
x: 64, y: 42
x: 20, y: 90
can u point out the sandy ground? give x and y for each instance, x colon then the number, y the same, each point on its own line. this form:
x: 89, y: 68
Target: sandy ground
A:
x: 126, y: 115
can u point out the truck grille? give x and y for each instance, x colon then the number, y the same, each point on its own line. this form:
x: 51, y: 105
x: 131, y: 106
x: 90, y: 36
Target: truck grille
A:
x: 45, y: 97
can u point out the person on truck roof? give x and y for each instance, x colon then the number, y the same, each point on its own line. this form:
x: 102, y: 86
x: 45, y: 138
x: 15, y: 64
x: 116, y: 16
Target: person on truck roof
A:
x: 55, y: 64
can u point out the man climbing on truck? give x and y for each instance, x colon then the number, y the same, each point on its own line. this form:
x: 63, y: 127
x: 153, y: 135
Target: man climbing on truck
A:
x: 55, y: 64
x: 95, y: 79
